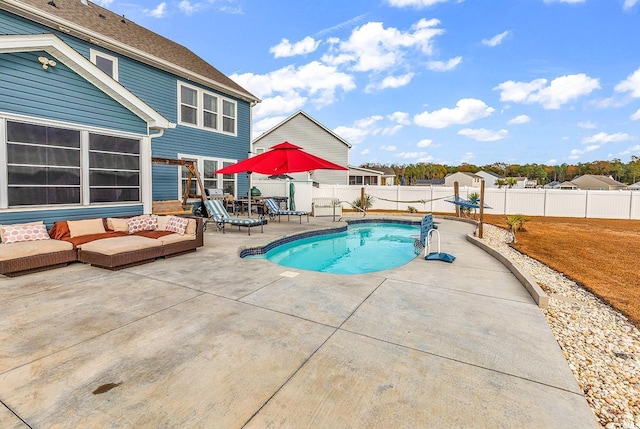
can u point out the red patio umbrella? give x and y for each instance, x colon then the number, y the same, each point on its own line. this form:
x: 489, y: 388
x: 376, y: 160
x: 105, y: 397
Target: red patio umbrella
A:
x: 281, y: 159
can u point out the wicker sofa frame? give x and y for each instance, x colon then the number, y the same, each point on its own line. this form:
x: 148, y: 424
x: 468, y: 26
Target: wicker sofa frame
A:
x: 30, y: 264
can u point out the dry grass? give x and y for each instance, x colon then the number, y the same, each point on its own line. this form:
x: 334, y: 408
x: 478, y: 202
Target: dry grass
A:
x: 600, y: 254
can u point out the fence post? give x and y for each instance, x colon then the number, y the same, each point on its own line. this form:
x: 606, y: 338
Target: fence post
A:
x: 362, y: 198
x: 456, y: 193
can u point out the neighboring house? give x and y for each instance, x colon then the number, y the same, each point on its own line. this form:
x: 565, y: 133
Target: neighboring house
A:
x: 634, y: 187
x: 463, y: 179
x: 302, y: 130
x: 567, y: 184
x: 552, y: 185
x: 366, y: 176
x: 88, y: 97
x: 489, y: 178
x: 429, y: 182
x: 595, y: 182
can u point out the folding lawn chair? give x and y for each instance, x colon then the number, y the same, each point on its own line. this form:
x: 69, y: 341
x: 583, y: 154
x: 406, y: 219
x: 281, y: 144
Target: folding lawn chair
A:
x: 218, y: 214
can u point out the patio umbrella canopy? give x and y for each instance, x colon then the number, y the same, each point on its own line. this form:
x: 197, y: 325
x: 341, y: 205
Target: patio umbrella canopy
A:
x: 281, y: 159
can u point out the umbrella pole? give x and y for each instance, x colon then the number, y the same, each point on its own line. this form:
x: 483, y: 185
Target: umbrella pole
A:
x: 249, y: 193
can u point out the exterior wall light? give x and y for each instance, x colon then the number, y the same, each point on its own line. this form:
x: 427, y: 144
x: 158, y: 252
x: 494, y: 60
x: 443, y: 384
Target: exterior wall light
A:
x: 46, y: 62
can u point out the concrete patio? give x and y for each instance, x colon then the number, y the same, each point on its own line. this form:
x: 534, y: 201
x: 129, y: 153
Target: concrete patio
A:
x: 211, y: 340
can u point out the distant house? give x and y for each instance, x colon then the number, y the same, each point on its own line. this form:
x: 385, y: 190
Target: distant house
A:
x: 557, y: 185
x: 87, y: 98
x: 302, y: 130
x: 429, y: 182
x: 595, y: 182
x: 463, y: 179
x: 634, y: 187
x: 489, y: 178
x: 366, y: 176
x: 552, y: 185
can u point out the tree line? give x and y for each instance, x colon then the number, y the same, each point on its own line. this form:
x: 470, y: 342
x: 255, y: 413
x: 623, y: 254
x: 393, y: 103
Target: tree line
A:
x: 628, y: 173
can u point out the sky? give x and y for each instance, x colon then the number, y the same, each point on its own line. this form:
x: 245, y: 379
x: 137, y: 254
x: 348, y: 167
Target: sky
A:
x: 434, y: 81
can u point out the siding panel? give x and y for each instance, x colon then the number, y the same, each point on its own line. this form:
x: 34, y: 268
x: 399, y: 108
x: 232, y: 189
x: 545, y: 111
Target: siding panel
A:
x: 51, y: 216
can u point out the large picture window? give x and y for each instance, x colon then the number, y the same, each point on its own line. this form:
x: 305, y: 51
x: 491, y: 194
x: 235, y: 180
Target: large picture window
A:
x: 45, y: 167
x: 206, y: 110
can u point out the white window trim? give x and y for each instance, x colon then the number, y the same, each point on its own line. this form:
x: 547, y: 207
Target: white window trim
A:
x: 200, y: 164
x: 200, y: 110
x: 84, y: 162
x: 93, y: 54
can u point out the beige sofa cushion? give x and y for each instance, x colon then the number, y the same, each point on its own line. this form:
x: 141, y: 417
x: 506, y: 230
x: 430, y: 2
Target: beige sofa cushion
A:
x: 115, y: 245
x: 31, y: 248
x: 85, y: 227
x: 176, y: 238
x: 117, y: 224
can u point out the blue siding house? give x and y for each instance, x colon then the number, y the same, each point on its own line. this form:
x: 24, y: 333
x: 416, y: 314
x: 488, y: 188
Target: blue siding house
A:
x: 87, y: 98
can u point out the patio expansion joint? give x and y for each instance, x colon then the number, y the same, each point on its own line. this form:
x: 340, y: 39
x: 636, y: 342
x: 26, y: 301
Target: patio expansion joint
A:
x: 101, y: 334
x: 312, y: 354
x: 448, y: 358
x: 15, y: 414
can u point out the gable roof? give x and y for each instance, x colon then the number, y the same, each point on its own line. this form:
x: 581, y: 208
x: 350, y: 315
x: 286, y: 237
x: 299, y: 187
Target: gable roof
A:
x: 489, y: 173
x: 101, y: 27
x: 472, y: 175
x: 62, y: 52
x: 604, y: 179
x: 301, y: 113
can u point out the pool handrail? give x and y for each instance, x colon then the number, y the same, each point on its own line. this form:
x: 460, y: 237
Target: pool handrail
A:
x: 364, y: 212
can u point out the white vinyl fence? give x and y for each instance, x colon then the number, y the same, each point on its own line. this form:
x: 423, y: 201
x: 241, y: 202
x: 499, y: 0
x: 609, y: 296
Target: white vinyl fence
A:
x: 531, y: 202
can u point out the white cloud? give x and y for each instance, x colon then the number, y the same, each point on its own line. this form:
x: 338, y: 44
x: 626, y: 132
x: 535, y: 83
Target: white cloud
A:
x: 635, y: 116
x: 391, y: 82
x: 483, y: 135
x: 552, y: 161
x: 316, y: 82
x: 630, y: 84
x: 520, y: 119
x: 279, y: 105
x: 467, y: 156
x: 575, y: 153
x: 411, y: 155
x: 559, y: 91
x: 286, y: 49
x: 364, y: 151
x: 400, y: 117
x: 628, y: 4
x: 189, y: 8
x: 418, y: 4
x: 424, y: 143
x: 266, y: 124
x: 372, y: 47
x: 444, y: 65
x: 495, y: 40
x: 360, y: 129
x: 390, y: 148
x: 466, y: 110
x: 587, y: 125
x: 607, y: 138
x: 159, y: 12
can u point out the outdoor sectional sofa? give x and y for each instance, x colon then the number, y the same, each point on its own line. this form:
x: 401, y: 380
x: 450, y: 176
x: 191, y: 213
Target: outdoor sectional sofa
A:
x: 112, y: 243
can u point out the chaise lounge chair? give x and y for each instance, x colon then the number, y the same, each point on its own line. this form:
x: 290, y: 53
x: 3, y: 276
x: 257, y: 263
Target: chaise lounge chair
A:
x: 274, y: 209
x: 218, y: 214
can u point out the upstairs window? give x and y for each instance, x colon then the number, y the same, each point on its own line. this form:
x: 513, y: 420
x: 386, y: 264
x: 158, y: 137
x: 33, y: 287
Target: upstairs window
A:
x: 206, y: 110
x: 106, y: 63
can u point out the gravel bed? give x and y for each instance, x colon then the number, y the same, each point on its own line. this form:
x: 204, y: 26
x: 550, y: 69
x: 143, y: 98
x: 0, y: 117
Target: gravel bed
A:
x: 601, y: 346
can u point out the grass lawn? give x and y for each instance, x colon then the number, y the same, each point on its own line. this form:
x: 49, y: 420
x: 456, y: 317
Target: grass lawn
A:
x: 600, y: 254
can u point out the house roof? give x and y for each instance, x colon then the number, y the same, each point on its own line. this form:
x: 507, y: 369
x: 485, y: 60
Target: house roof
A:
x: 605, y: 179
x: 368, y: 170
x: 473, y: 175
x: 424, y: 182
x: 301, y: 113
x: 66, y: 55
x: 103, y: 28
x: 490, y: 173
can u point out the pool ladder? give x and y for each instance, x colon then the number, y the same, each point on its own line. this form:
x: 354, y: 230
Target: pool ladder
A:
x: 364, y: 213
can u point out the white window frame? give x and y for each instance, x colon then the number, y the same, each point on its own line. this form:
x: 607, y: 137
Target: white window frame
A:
x: 93, y: 54
x: 200, y: 159
x: 85, y: 200
x: 200, y: 110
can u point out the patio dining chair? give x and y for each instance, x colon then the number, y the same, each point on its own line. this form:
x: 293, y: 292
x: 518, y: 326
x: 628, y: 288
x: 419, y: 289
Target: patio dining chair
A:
x: 218, y: 214
x: 274, y: 209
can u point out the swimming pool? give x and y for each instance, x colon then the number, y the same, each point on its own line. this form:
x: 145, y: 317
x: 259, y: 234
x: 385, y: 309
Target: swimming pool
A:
x: 362, y: 248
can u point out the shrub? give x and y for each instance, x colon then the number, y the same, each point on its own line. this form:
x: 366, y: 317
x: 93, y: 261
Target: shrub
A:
x: 412, y: 209
x: 516, y: 223
x: 368, y: 202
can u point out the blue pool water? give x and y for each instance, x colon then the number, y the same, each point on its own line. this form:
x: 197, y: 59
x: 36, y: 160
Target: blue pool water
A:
x: 362, y: 248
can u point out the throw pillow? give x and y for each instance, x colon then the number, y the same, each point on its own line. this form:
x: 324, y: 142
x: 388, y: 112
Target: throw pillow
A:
x: 162, y: 222
x: 117, y: 224
x: 177, y: 224
x: 60, y: 230
x: 191, y: 227
x: 142, y: 223
x: 24, y: 232
x: 28, y: 223
x: 85, y: 227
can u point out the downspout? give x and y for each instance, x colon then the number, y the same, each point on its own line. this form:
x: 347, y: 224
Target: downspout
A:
x: 147, y: 188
